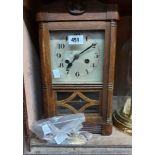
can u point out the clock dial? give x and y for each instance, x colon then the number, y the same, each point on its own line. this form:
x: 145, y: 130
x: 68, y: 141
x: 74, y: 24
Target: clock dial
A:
x: 78, y: 56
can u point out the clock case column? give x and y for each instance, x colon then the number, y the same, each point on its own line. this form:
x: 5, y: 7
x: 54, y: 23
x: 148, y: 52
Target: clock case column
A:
x: 108, y: 94
x: 49, y: 99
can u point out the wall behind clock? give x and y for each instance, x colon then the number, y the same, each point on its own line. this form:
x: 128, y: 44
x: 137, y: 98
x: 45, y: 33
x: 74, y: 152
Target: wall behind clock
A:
x: 32, y: 86
x: 124, y: 35
x: 31, y: 64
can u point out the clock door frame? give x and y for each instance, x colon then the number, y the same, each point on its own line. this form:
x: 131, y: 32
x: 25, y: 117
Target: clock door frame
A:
x: 49, y: 100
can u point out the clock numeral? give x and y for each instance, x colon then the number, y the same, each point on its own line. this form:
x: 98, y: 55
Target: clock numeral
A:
x: 94, y: 45
x: 86, y: 38
x: 61, y: 65
x: 77, y: 74
x: 97, y: 55
x: 58, y: 55
x: 94, y: 65
x: 87, y: 71
x: 61, y: 46
x: 66, y: 38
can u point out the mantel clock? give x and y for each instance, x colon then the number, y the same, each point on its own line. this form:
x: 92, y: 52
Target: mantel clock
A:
x: 77, y: 56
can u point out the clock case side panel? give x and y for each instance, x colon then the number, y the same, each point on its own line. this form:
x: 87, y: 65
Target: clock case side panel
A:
x: 110, y: 79
x: 47, y: 93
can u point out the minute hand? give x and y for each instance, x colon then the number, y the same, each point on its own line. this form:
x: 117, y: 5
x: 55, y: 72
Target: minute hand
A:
x: 93, y: 45
x: 77, y: 56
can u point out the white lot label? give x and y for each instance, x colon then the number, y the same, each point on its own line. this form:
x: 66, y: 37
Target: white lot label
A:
x: 46, y: 129
x: 56, y: 73
x: 75, y: 39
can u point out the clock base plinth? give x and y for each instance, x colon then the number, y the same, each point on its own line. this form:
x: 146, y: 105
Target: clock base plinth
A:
x: 107, y: 129
x: 104, y: 129
x: 92, y: 127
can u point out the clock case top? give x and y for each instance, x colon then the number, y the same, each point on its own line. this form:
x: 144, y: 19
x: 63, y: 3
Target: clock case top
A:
x: 103, y: 19
x: 96, y: 11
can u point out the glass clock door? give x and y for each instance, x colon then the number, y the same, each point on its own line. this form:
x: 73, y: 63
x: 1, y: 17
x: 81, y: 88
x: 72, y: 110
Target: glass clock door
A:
x: 77, y: 57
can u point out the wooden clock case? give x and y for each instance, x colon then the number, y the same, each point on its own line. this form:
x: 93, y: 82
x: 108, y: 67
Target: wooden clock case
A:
x: 99, y: 17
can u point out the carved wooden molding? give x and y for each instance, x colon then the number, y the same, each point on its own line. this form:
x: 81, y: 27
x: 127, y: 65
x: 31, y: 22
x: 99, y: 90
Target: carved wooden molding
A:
x: 110, y: 86
x: 113, y: 23
x: 41, y: 26
x: 65, y: 103
x: 109, y: 119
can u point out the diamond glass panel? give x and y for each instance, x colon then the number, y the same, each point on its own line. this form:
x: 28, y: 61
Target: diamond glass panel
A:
x: 74, y: 102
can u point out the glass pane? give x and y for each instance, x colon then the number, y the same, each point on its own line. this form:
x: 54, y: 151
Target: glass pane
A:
x: 63, y: 110
x: 92, y: 95
x: 87, y: 68
x: 63, y: 95
x: 92, y: 109
x: 79, y: 103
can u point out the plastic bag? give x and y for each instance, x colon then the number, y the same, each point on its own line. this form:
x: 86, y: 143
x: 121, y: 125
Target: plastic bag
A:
x: 80, y: 137
x: 62, y: 129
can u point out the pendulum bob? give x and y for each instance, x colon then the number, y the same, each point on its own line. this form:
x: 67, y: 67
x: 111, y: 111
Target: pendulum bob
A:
x: 122, y: 119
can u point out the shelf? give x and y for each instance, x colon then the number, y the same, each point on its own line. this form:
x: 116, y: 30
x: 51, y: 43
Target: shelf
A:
x: 117, y: 143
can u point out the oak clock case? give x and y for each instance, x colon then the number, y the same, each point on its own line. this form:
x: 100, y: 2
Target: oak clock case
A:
x: 77, y: 64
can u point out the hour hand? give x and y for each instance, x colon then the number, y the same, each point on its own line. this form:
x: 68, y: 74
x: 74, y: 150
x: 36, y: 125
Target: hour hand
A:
x: 68, y: 66
x: 76, y: 56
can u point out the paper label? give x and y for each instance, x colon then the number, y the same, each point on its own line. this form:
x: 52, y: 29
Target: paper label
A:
x: 75, y: 39
x: 46, y: 129
x: 56, y: 73
x: 60, y: 138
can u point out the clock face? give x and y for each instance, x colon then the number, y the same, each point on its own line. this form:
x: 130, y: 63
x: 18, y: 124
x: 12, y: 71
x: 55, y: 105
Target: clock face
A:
x: 77, y: 57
